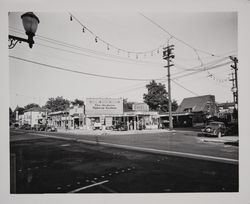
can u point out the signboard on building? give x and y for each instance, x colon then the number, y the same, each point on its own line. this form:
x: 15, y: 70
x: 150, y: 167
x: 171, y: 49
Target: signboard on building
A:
x: 104, y: 106
x: 140, y: 107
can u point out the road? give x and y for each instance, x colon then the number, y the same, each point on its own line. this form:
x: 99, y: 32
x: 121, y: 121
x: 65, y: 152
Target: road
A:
x: 54, y: 165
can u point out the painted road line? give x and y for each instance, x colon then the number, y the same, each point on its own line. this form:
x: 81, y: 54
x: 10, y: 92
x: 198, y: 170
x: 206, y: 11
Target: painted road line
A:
x: 150, y: 150
x: 106, y: 188
x: 89, y: 186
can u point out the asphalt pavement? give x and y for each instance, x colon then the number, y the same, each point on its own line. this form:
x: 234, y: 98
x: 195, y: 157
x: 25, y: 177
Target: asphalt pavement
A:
x: 59, y: 163
x: 179, y: 143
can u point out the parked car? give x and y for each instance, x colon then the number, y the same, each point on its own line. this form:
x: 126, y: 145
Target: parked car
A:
x: 36, y: 127
x: 120, y: 126
x: 214, y: 129
x: 42, y: 128
x: 26, y: 127
x: 51, y: 128
x: 97, y: 126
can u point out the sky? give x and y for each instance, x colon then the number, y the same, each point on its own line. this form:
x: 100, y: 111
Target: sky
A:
x: 215, y: 33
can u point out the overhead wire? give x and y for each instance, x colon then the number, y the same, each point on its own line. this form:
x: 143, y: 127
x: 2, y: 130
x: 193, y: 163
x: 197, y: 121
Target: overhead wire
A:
x: 176, y: 38
x: 178, y: 84
x: 82, y: 49
x: 75, y: 71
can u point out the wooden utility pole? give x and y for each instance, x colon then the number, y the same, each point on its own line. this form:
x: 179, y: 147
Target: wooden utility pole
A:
x: 167, y: 55
x: 235, y: 80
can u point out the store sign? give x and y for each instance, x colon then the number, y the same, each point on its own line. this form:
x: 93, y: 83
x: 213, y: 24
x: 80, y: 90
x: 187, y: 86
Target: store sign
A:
x: 104, y: 106
x: 140, y: 107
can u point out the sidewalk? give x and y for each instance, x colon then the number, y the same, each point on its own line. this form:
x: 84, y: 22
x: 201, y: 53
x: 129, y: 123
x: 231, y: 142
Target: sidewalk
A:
x: 224, y: 139
x: 112, y: 132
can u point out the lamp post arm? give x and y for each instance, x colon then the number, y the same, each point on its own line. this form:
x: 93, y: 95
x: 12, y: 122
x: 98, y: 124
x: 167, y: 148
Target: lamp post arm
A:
x: 14, y: 40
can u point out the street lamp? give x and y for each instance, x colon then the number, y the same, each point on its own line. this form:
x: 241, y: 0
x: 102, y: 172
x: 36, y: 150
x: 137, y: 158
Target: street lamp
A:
x: 30, y: 23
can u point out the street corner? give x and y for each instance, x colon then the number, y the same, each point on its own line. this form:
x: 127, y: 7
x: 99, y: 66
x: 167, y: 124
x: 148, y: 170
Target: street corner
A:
x: 233, y: 140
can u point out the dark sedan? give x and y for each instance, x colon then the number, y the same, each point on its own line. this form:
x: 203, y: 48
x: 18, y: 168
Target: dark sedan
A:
x: 214, y: 129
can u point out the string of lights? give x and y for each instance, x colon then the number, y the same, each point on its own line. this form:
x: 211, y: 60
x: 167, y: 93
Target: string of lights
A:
x: 82, y: 49
x: 77, y: 47
x: 219, y: 80
x: 109, y: 45
x: 178, y: 39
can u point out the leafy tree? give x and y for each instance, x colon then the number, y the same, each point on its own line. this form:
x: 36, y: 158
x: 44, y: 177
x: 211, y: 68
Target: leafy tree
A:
x: 31, y: 105
x: 57, y: 104
x: 20, y: 110
x: 11, y: 116
x: 157, y: 97
x: 77, y: 102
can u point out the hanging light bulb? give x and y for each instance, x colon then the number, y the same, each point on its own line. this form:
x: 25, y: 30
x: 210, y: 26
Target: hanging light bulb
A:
x: 83, y: 29
x: 71, y: 18
x: 96, y: 39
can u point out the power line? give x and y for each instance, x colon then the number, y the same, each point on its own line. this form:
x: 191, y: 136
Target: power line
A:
x: 78, y: 72
x: 217, y: 66
x: 195, y: 72
x: 178, y: 39
x: 184, y: 87
x: 131, y: 88
x: 196, y: 68
x: 82, y: 49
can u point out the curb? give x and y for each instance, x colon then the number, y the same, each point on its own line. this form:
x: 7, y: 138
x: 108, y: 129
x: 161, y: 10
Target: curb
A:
x: 148, y: 150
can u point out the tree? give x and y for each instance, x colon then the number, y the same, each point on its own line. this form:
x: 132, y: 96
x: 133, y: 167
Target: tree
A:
x: 11, y: 116
x: 77, y: 102
x: 57, y: 104
x: 157, y: 97
x: 31, y: 105
x: 20, y: 110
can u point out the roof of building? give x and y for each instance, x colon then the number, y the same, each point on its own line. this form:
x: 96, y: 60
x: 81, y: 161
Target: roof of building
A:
x: 226, y: 105
x: 35, y: 109
x: 196, y: 104
x: 59, y: 112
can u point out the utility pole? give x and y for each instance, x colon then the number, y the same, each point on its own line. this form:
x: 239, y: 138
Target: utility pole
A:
x: 167, y: 55
x: 233, y: 85
x: 235, y: 81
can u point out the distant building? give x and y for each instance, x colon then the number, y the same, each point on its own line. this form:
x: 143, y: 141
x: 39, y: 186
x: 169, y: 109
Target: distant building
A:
x: 33, y: 116
x: 71, y: 118
x: 226, y: 111
x: 192, y: 111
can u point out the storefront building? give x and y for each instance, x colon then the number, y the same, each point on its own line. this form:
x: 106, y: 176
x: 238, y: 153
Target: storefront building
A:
x: 72, y: 118
x: 110, y: 114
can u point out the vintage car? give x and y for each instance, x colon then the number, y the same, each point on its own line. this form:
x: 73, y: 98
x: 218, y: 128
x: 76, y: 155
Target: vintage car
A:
x: 51, y: 128
x: 120, y: 126
x: 97, y: 126
x: 214, y: 129
x: 26, y: 127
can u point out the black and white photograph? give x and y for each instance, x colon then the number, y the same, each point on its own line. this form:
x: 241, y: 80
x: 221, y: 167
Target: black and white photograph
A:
x: 125, y: 102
